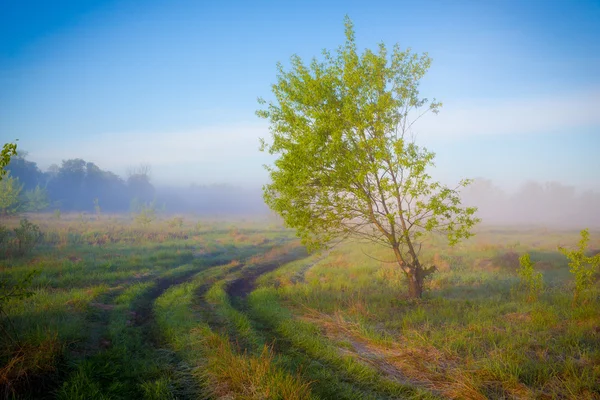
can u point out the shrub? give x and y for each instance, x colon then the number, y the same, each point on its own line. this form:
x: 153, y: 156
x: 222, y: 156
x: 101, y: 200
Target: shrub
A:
x: 28, y: 235
x: 176, y: 222
x: 581, y: 266
x: 10, y: 195
x: 531, y: 279
x: 145, y: 216
x: 144, y: 213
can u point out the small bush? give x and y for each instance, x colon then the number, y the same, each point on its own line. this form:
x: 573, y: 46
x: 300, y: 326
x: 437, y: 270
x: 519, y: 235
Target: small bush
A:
x: 28, y: 236
x: 176, y: 222
x: 146, y: 214
x: 581, y: 266
x: 507, y: 260
x: 531, y: 279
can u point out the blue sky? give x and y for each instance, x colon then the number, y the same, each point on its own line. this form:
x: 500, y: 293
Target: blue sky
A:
x: 174, y: 83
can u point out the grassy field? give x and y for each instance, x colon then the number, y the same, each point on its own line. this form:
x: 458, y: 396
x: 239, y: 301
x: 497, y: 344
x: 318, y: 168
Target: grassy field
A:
x: 195, y: 309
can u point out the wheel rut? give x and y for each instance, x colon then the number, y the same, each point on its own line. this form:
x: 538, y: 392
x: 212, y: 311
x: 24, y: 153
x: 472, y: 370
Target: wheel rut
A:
x: 294, y: 359
x: 145, y: 341
x: 244, y: 285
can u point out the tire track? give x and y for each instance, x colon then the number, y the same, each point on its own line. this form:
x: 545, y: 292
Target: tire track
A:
x: 327, y: 378
x: 138, y: 337
x: 331, y: 381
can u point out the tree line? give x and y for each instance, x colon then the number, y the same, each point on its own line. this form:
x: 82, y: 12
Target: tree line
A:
x: 75, y: 185
x: 81, y: 186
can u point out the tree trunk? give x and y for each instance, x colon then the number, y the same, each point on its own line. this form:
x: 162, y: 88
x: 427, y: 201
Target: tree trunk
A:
x: 415, y: 285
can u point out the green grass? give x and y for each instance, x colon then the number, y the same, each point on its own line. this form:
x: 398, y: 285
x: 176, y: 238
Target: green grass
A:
x: 77, y: 336
x: 123, y: 311
x: 474, y: 319
x: 221, y: 368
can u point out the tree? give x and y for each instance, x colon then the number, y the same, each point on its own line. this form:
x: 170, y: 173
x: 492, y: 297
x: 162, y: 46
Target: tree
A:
x: 28, y: 172
x: 36, y: 200
x: 10, y: 192
x: 67, y: 186
x: 347, y: 164
x: 138, y: 183
x: 8, y: 151
x: 10, y: 289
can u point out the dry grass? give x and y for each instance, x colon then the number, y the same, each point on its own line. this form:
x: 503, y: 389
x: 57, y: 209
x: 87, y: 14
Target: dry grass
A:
x: 417, y: 363
x: 235, y: 375
x: 420, y: 365
x: 25, y: 361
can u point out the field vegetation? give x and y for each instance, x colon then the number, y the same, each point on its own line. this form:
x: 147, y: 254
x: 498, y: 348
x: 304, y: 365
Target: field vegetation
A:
x: 182, y: 308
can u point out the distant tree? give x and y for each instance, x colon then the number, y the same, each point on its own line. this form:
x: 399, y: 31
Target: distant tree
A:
x: 66, y: 187
x: 27, y: 171
x: 105, y: 187
x: 138, y: 183
x: 115, y: 196
x: 93, y: 186
x: 52, y: 170
x: 36, y: 200
x: 346, y: 166
x: 10, y: 192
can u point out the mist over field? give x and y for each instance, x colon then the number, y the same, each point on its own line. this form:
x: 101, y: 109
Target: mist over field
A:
x: 551, y: 204
x: 75, y: 185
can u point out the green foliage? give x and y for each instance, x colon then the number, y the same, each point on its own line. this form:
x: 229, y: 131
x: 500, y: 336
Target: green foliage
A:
x: 10, y: 195
x: 347, y: 168
x: 36, y: 200
x: 176, y: 222
x: 581, y: 266
x: 8, y: 150
x: 531, y: 280
x: 16, y: 290
x: 28, y: 236
x: 146, y: 214
x: 56, y: 214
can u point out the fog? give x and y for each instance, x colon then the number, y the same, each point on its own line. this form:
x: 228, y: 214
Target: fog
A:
x: 77, y: 185
x: 550, y: 204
